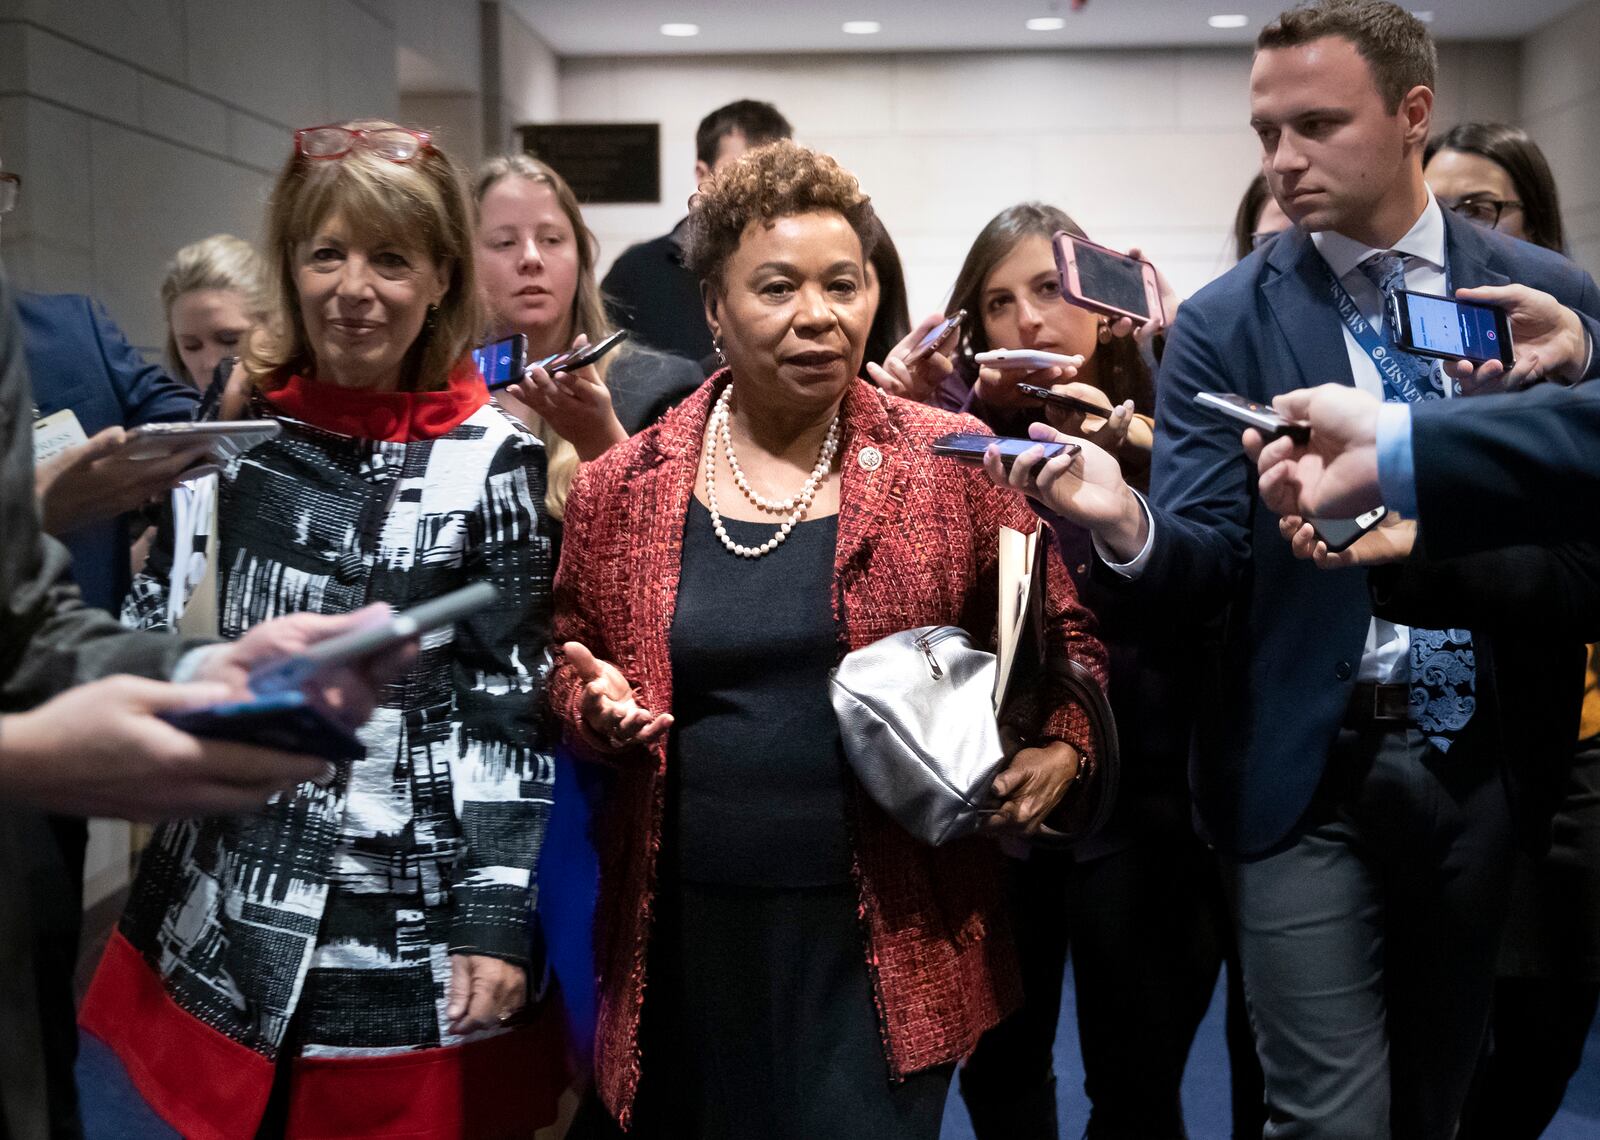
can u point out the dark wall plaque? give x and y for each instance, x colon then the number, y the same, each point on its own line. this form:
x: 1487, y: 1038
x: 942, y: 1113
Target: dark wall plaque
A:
x: 603, y: 162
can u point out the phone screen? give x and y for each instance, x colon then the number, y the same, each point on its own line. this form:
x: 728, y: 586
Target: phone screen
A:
x: 1116, y: 280
x: 1452, y: 327
x: 497, y: 362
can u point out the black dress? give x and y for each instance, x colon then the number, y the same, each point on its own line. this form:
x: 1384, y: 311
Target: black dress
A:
x: 759, y: 1018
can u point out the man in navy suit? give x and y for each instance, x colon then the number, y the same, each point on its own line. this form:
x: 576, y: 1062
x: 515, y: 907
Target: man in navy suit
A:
x: 1339, y: 768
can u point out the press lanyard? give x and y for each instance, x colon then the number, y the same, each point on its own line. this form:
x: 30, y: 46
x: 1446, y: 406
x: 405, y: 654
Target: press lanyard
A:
x: 1397, y: 384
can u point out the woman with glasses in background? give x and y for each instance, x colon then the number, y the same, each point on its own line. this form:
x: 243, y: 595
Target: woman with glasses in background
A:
x: 352, y: 959
x: 1548, y: 984
x: 1258, y: 219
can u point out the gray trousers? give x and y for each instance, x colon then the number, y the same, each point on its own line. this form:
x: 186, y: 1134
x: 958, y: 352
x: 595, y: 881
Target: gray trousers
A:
x: 1368, y: 945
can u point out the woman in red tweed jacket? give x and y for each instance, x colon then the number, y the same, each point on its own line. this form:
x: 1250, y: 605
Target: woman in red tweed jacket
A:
x: 776, y: 956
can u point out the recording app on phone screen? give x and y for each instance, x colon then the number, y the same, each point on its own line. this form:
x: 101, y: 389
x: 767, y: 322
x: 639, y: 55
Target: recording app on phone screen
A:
x: 1447, y: 326
x: 494, y: 361
x: 1118, y: 281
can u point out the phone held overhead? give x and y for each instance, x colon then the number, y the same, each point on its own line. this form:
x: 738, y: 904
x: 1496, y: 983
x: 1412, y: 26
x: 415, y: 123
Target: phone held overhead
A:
x: 1105, y: 281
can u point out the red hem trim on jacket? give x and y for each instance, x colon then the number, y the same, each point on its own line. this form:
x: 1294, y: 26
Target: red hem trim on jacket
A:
x: 202, y: 1082
x: 210, y: 1087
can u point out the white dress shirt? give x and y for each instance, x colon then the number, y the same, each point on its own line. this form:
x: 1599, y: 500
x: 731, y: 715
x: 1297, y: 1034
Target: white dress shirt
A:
x: 1384, y: 659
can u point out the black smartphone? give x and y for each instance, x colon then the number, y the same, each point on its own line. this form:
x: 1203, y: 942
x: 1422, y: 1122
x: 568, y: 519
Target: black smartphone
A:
x: 1061, y: 399
x: 577, y: 358
x: 969, y: 447
x: 501, y: 362
x: 287, y: 721
x: 937, y: 335
x: 1341, y: 534
x: 1259, y: 416
x: 1428, y: 325
x: 211, y: 402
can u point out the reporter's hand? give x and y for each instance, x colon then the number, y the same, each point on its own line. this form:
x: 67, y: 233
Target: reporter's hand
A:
x: 576, y: 404
x: 1550, y: 341
x: 997, y: 387
x: 96, y: 480
x: 348, y: 693
x: 1108, y: 432
x: 1335, y: 473
x: 609, y: 708
x: 917, y: 381
x: 1086, y: 488
x: 1144, y: 335
x: 1031, y: 787
x: 484, y: 992
x: 1392, y: 540
x: 100, y: 750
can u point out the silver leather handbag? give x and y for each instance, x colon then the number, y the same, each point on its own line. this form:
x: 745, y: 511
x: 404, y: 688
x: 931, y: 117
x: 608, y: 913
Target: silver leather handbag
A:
x: 917, y: 720
x: 916, y: 717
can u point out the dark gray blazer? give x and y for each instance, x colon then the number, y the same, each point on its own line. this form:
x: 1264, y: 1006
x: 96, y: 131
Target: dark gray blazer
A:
x: 49, y: 641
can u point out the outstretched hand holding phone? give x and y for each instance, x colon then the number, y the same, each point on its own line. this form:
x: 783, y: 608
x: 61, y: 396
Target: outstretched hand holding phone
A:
x: 576, y: 403
x: 106, y: 749
x: 916, y: 366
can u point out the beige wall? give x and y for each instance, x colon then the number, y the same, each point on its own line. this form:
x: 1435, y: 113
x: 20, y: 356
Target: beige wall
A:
x: 1561, y: 110
x: 1147, y: 148
x: 141, y: 125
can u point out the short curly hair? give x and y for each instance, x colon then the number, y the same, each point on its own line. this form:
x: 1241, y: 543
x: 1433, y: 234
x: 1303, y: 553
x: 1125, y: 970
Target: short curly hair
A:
x: 777, y: 180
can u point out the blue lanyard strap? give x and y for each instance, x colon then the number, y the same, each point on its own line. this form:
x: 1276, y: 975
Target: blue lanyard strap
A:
x: 1398, y: 383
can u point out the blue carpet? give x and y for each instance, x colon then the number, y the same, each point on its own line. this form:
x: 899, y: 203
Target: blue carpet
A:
x: 112, y: 1109
x: 1205, y: 1084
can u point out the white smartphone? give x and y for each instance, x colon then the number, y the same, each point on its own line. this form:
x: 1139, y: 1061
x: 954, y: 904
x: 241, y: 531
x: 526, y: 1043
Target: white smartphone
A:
x: 359, y: 644
x: 1026, y: 359
x: 227, y: 438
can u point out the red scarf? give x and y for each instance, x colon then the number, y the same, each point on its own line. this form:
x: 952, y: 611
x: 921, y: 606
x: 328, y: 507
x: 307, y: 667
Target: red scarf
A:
x: 393, y: 417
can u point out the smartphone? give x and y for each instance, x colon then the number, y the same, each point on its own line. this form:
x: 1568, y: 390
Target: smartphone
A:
x: 1106, y: 281
x: 211, y: 399
x: 1428, y: 325
x: 1341, y: 534
x: 1259, y: 416
x: 500, y: 362
x: 227, y: 438
x: 359, y: 644
x: 969, y: 447
x: 287, y: 721
x: 1026, y: 359
x: 1061, y: 399
x: 937, y: 335
x: 577, y: 358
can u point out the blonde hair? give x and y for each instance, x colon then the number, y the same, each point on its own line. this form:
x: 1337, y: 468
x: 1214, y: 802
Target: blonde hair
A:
x: 413, y: 204
x: 222, y: 262
x: 588, y: 306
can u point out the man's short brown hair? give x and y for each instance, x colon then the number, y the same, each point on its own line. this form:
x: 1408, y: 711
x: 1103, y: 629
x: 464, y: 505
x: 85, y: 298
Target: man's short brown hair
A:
x: 1395, y: 44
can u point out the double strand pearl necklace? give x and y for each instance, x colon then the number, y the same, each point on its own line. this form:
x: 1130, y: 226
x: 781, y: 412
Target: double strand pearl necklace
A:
x: 795, y: 507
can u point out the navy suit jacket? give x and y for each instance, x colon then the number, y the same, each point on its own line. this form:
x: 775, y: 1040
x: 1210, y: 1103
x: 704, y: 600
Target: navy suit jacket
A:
x: 1272, y: 688
x: 1499, y: 470
x: 79, y: 359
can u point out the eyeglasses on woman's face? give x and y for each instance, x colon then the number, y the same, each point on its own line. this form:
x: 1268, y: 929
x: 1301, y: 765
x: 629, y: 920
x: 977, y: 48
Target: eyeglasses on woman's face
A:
x: 1482, y: 209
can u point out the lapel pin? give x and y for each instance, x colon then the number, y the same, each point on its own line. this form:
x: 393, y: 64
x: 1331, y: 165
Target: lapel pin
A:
x: 870, y: 458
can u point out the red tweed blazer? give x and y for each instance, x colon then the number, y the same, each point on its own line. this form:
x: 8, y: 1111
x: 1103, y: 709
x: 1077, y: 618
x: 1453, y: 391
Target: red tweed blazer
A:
x: 917, y: 546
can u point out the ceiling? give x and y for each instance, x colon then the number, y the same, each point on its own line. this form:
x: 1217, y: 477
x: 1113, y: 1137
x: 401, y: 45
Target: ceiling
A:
x: 632, y: 27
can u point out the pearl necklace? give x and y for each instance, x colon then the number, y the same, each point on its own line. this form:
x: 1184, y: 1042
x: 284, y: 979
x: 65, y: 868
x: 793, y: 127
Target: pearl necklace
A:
x: 795, y: 507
